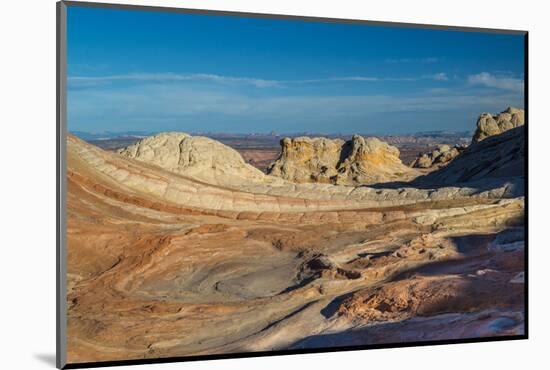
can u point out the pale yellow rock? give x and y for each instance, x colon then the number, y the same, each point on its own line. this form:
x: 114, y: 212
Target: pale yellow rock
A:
x: 489, y: 124
x: 354, y: 162
x: 194, y: 156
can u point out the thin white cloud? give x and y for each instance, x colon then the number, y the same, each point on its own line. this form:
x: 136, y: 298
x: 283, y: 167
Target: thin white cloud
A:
x: 497, y: 82
x: 162, y: 77
x: 87, y: 81
x: 354, y: 78
x: 428, y: 60
x: 436, y: 77
x: 157, y: 101
x: 440, y: 77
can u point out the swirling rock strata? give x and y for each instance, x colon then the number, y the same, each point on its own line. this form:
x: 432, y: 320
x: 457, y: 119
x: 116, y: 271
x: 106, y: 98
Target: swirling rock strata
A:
x: 167, y: 261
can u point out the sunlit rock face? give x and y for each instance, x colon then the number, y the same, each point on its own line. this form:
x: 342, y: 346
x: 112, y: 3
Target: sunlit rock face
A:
x: 354, y: 162
x: 489, y: 124
x: 194, y: 156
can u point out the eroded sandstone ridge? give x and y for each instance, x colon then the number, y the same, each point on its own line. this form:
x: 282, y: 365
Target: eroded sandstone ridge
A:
x: 177, y: 248
x: 354, y: 162
x: 489, y: 125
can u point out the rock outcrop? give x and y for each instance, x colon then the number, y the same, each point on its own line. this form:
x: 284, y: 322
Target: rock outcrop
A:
x: 165, y: 259
x: 355, y: 162
x: 438, y: 157
x: 241, y: 198
x: 489, y: 125
x: 194, y: 156
x: 500, y: 156
x: 305, y: 159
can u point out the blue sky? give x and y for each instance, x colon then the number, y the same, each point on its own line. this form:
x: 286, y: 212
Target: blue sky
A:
x: 151, y: 71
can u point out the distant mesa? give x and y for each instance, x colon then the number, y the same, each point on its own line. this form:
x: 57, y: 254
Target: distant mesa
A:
x: 354, y: 162
x: 438, y: 157
x: 489, y: 125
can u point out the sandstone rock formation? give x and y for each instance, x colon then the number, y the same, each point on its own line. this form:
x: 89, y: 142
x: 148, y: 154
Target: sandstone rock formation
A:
x: 247, y: 199
x: 194, y: 156
x: 355, y: 162
x: 499, y: 156
x: 489, y: 125
x: 305, y: 159
x: 189, y: 256
x: 438, y: 157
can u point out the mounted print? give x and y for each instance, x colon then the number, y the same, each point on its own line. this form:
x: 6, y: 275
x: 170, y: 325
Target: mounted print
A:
x: 235, y: 185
